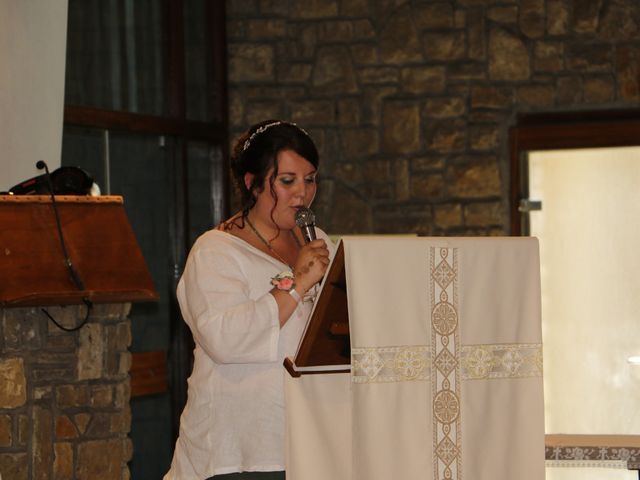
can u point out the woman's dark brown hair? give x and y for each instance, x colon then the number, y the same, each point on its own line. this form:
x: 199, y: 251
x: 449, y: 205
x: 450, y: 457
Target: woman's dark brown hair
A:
x: 256, y: 152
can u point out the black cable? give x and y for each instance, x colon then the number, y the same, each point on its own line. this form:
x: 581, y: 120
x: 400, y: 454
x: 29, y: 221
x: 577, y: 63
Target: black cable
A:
x: 72, y: 271
x: 89, y: 305
x: 75, y: 277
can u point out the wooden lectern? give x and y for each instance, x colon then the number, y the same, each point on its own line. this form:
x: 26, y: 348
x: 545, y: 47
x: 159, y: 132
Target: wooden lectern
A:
x: 103, y: 250
x: 422, y: 359
x: 360, y: 396
x: 99, y: 241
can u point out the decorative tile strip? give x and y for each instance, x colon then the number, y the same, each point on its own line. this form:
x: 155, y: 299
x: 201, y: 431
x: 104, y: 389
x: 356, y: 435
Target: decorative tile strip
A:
x: 445, y: 351
x: 520, y: 360
x: 589, y: 456
x: 390, y: 364
x: 614, y: 464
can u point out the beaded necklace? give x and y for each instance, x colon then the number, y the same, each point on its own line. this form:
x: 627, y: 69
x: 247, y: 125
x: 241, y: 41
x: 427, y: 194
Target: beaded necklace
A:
x: 268, y: 245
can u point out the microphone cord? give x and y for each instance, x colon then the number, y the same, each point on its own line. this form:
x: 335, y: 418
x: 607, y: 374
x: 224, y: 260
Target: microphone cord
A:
x: 75, y: 277
x: 89, y: 305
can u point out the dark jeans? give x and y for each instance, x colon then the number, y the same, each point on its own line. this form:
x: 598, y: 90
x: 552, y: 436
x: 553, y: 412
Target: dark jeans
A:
x: 250, y: 476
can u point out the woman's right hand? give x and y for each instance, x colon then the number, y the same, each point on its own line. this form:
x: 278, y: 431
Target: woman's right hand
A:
x: 311, y: 265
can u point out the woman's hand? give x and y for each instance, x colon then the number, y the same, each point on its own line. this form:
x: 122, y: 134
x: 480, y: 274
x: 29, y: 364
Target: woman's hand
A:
x: 310, y: 265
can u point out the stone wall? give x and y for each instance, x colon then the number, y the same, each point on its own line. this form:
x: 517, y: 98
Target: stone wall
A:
x: 64, y: 396
x: 411, y: 101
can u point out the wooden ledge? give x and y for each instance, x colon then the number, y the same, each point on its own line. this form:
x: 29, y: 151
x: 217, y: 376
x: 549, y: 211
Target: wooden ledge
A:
x: 148, y: 373
x: 62, y: 199
x: 565, y: 440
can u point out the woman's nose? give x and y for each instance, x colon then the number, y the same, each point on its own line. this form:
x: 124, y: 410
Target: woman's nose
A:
x: 300, y: 189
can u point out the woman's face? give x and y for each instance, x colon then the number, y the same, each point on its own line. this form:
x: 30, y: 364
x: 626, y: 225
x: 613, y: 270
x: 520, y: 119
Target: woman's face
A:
x: 294, y: 187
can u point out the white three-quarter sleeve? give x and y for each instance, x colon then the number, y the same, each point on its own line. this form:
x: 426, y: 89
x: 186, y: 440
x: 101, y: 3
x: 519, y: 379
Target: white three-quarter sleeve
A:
x: 226, y: 322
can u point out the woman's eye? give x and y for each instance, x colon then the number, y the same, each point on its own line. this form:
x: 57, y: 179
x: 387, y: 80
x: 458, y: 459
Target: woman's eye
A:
x: 286, y: 180
x: 310, y: 179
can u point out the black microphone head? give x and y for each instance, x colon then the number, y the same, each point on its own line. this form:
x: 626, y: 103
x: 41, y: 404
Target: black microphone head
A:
x: 40, y: 164
x: 306, y: 221
x: 305, y: 217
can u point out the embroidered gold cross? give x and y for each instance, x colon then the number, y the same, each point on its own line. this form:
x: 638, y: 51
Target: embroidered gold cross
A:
x: 445, y: 363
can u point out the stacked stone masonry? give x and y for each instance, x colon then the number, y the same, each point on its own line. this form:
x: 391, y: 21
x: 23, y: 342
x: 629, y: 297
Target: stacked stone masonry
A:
x: 411, y: 101
x: 64, y: 396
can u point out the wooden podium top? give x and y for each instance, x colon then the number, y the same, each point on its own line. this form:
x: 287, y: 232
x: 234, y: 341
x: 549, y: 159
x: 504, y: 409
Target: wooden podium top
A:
x: 99, y: 241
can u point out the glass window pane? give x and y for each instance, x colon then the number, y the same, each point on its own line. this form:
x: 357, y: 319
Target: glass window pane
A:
x: 199, y: 192
x: 206, y: 198
x: 203, y: 94
x: 151, y: 437
x: 116, y: 51
x: 141, y: 172
x: 590, y: 297
x: 84, y: 148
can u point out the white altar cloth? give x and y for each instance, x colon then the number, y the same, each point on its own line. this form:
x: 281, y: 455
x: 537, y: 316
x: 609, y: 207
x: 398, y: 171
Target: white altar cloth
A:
x: 446, y: 367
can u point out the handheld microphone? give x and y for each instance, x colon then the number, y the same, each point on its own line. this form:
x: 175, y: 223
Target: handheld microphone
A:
x: 306, y: 221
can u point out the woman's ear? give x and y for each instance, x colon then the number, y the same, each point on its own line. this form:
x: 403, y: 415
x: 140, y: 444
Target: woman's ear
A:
x: 248, y: 181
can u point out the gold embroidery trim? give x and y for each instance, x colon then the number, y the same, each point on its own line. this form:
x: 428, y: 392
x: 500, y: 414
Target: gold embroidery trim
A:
x: 478, y: 362
x: 445, y: 352
x: 390, y: 364
x: 520, y: 360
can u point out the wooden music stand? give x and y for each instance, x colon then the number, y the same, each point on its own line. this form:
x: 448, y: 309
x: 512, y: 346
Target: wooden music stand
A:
x: 325, y: 346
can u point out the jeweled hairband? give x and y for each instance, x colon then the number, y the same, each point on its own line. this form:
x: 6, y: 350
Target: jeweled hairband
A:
x: 264, y: 128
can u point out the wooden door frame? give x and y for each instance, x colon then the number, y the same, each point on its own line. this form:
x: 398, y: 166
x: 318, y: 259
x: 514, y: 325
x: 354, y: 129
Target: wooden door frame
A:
x: 566, y: 130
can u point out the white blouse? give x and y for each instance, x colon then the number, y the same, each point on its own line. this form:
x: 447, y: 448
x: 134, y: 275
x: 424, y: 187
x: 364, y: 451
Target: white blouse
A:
x: 234, y: 417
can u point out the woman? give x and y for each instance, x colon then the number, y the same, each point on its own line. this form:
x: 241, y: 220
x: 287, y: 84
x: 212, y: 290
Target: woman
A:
x: 246, y: 293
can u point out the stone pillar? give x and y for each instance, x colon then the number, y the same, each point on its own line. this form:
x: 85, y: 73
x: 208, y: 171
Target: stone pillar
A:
x: 64, y: 396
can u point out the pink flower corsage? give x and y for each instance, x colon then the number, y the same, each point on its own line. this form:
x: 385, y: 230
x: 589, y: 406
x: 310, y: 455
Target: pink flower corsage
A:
x: 283, y: 281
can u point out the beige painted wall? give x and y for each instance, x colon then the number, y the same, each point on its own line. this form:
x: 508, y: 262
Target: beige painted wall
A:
x: 32, y: 61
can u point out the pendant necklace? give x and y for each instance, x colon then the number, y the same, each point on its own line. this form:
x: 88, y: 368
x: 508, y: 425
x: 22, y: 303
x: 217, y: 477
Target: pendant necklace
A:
x: 268, y: 245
